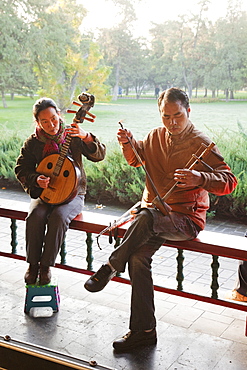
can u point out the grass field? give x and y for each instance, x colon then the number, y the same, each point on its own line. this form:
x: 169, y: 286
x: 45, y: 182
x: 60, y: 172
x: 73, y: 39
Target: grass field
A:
x: 138, y: 115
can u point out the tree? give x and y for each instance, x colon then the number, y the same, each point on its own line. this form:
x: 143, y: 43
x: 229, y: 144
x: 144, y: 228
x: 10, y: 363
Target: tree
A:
x: 230, y: 39
x: 42, y: 50
x: 169, y: 48
x: 16, y: 75
x: 66, y: 61
x: 124, y: 53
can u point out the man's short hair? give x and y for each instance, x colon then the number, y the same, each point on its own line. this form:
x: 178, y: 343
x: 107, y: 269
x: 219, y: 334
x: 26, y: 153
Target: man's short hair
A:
x: 173, y: 95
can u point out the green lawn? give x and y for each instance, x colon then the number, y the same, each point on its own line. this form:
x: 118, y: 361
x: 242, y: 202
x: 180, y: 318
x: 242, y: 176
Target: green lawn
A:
x: 138, y: 115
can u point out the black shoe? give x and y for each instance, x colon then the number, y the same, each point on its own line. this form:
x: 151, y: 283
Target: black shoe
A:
x: 135, y: 339
x: 99, y: 280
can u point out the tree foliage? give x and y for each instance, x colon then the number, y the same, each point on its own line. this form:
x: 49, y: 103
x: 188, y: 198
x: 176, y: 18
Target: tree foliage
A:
x: 15, y: 69
x: 42, y: 50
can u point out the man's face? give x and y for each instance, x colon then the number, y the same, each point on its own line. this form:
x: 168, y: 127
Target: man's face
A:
x: 175, y: 116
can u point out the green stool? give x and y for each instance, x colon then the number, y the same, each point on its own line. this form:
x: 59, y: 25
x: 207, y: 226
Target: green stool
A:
x: 42, y: 296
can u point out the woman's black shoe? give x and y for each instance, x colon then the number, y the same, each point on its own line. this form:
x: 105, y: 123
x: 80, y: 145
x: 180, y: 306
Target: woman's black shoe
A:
x: 135, y: 339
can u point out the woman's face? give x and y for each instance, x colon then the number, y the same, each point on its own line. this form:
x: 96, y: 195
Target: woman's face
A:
x: 48, y: 120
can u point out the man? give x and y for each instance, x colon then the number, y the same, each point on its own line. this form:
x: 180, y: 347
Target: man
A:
x: 165, y: 151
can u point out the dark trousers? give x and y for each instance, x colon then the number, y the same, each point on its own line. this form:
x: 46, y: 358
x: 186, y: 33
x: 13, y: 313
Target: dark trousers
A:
x: 46, y: 226
x: 144, y: 237
x: 241, y: 282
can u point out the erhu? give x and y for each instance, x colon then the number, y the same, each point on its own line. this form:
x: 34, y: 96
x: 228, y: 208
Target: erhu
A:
x: 159, y: 202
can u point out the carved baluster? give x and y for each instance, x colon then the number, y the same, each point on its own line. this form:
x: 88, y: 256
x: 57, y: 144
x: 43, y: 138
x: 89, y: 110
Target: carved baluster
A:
x: 13, y: 242
x: 215, y: 268
x: 63, y: 253
x: 180, y: 276
x: 89, y: 258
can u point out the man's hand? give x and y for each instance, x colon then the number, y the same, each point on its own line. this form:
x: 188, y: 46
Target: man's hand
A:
x: 43, y: 181
x: 123, y: 134
x: 187, y: 178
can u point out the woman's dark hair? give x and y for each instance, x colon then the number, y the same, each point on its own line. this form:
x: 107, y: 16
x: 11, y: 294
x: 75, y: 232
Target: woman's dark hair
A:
x: 173, y: 95
x: 42, y: 104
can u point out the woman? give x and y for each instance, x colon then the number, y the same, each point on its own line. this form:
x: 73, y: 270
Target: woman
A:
x: 46, y: 224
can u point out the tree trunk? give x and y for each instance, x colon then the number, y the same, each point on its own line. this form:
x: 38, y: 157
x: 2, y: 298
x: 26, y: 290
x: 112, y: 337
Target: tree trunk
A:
x: 73, y: 85
x: 213, y: 93
x: 4, y: 100
x: 188, y: 84
x: 190, y: 90
x: 231, y: 94
x: 227, y: 94
x: 115, y: 88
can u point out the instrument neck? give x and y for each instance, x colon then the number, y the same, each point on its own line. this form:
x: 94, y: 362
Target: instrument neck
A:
x: 65, y: 147
x: 62, y: 155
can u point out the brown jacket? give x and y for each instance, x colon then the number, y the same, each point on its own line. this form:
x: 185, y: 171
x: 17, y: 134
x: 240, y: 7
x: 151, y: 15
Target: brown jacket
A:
x: 163, y: 153
x: 32, y: 154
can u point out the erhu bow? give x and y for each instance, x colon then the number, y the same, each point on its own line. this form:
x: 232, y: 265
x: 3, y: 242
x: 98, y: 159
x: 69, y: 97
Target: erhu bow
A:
x: 164, y: 208
x: 161, y: 205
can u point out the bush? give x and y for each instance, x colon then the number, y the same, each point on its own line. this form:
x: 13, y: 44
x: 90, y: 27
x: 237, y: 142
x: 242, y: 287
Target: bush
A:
x: 114, y: 180
x: 9, y: 150
x: 233, y: 147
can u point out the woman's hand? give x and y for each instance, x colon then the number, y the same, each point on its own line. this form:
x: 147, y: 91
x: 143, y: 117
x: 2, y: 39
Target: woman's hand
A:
x: 187, y: 178
x: 43, y: 181
x: 76, y: 131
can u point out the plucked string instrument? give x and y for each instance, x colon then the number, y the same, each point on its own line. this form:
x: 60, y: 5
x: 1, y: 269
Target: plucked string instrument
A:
x: 63, y: 171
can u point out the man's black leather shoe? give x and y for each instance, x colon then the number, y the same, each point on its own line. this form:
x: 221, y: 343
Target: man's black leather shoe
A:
x: 135, y: 339
x: 99, y: 280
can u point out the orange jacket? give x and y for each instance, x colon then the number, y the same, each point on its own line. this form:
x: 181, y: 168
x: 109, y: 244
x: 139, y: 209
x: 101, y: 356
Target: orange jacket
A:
x: 163, y: 153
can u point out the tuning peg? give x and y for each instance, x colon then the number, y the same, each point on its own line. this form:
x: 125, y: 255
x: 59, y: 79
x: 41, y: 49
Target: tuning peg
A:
x: 76, y: 103
x: 89, y: 119
x: 71, y: 111
x: 90, y: 114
